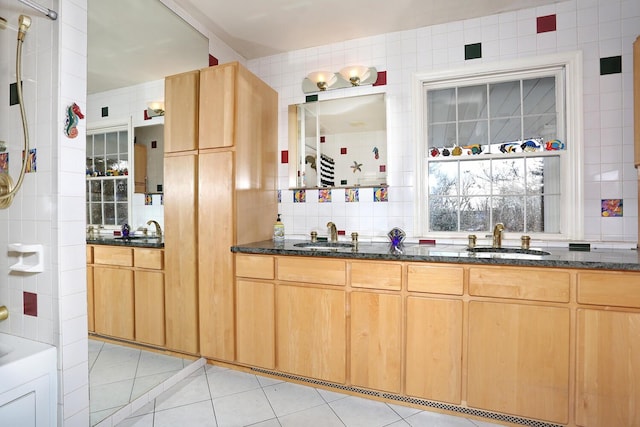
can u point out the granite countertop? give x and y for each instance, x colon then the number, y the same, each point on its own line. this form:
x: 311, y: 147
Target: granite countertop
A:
x: 607, y: 259
x: 137, y: 241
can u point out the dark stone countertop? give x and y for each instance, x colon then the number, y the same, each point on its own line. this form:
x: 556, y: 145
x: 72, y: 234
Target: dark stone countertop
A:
x: 136, y: 242
x: 605, y: 259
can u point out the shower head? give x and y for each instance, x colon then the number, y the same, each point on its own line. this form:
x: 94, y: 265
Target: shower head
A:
x: 24, y: 22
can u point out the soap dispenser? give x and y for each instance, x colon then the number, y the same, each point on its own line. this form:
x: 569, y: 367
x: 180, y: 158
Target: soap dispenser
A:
x: 278, y: 230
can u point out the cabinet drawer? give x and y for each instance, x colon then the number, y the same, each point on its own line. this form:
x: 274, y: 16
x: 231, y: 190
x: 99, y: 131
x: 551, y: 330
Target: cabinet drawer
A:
x: 376, y: 275
x: 435, y: 279
x: 111, y: 255
x: 611, y: 288
x: 520, y: 283
x: 255, y: 266
x: 89, y: 254
x: 148, y: 258
x: 321, y: 271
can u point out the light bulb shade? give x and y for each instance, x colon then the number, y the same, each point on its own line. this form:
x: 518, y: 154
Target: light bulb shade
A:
x: 322, y: 79
x: 359, y: 75
x: 156, y: 106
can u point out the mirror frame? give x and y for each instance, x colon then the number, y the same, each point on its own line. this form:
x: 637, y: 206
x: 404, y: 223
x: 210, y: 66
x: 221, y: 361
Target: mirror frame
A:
x: 294, y: 144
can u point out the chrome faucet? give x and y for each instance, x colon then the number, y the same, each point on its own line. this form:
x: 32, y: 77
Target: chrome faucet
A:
x: 333, y: 232
x: 158, y: 229
x: 497, y: 235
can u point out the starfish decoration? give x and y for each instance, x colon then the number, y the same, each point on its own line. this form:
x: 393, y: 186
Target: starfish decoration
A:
x: 356, y: 167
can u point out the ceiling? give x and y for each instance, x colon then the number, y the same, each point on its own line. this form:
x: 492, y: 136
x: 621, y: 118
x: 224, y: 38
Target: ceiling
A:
x: 130, y: 42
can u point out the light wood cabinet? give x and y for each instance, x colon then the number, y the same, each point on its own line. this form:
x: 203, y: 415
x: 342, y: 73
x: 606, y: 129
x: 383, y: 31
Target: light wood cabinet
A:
x: 608, y: 366
x: 126, y: 298
x: 518, y: 360
x: 223, y: 119
x: 311, y: 332
x: 149, y: 307
x: 434, y: 349
x: 255, y: 314
x: 181, y: 93
x: 376, y: 341
x: 181, y: 253
x: 113, y: 302
x: 140, y: 168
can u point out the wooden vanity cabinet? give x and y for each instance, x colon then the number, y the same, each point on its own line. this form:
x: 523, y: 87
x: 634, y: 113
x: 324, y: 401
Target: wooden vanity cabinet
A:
x: 255, y: 310
x: 526, y: 371
x: 224, y: 120
x: 434, y: 331
x: 125, y: 288
x: 608, y: 349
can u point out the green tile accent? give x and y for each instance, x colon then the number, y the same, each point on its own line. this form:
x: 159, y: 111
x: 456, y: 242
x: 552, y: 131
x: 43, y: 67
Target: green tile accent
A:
x: 473, y: 51
x: 611, y: 65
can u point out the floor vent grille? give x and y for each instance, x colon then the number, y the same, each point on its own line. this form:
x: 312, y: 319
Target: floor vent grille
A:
x: 415, y: 401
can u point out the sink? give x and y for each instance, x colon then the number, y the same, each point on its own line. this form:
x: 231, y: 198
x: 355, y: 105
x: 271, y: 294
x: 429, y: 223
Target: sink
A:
x: 324, y: 245
x: 507, y: 253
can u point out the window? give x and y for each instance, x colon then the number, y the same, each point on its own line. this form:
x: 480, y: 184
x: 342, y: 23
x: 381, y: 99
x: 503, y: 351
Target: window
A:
x: 500, y: 145
x: 108, y: 189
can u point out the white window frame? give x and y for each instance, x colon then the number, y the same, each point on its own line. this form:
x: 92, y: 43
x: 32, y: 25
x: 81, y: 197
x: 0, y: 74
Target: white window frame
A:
x: 572, y: 183
x: 116, y: 126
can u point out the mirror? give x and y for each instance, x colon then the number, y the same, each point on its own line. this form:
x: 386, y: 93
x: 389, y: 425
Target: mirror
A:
x: 130, y: 44
x: 148, y: 158
x: 338, y: 142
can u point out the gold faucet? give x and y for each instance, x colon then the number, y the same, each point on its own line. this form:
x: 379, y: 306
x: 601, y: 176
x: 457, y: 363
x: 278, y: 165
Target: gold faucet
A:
x: 497, y: 235
x: 333, y: 232
x: 158, y: 229
x: 4, y: 313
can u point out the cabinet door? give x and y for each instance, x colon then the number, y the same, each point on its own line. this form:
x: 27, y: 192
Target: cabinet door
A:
x: 311, y: 332
x: 215, y: 260
x: 90, y: 322
x: 140, y: 166
x: 434, y: 349
x: 255, y: 331
x: 218, y: 106
x: 113, y: 302
x: 181, y: 112
x: 149, y: 307
x: 608, y: 368
x: 518, y: 360
x: 376, y: 337
x: 181, y: 253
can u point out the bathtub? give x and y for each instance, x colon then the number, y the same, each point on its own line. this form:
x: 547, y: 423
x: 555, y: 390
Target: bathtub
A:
x: 28, y: 383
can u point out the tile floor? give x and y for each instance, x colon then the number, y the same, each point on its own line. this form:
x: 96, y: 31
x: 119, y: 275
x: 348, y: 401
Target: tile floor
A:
x: 219, y: 397
x: 119, y: 374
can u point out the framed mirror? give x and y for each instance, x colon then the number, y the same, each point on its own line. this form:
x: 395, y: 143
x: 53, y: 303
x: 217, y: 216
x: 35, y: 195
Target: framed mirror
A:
x: 338, y: 142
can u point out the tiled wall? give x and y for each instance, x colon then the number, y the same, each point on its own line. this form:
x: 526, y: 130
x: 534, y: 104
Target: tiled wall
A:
x: 603, y: 30
x: 49, y: 209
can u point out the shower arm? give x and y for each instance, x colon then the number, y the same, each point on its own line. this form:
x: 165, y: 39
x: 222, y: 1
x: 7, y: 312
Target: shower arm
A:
x: 52, y: 14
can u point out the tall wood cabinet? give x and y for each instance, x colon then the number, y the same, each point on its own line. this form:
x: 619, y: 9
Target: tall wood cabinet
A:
x: 220, y: 179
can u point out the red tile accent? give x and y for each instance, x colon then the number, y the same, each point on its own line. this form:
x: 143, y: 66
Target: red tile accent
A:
x: 322, y: 140
x: 154, y: 144
x: 30, y: 303
x: 343, y: 150
x: 546, y: 23
x: 426, y: 242
x: 341, y: 232
x: 212, y: 61
x: 383, y: 168
x: 284, y: 156
x: 382, y: 79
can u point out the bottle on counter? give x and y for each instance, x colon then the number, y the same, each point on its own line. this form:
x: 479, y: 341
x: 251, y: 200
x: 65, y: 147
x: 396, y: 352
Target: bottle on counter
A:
x: 278, y: 231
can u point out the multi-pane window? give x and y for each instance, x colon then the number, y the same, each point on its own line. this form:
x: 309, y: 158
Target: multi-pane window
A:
x: 495, y: 150
x: 107, y: 187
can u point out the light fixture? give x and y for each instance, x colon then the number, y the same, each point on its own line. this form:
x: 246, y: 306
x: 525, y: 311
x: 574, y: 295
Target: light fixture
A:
x: 322, y: 79
x: 155, y: 108
x: 355, y: 75
x: 359, y: 75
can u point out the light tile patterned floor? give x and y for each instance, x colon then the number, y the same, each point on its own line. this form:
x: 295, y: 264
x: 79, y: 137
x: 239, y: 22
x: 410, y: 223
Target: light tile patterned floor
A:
x: 118, y: 374
x: 218, y: 397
